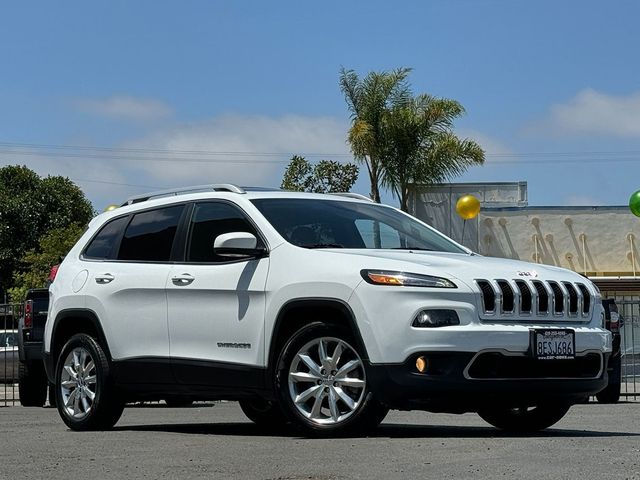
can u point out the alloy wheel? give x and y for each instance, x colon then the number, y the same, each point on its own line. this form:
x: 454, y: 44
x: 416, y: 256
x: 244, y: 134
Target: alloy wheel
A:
x: 78, y: 383
x: 327, y: 381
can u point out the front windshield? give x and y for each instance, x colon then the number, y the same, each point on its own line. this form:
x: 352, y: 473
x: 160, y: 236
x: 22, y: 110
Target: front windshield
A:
x: 313, y: 223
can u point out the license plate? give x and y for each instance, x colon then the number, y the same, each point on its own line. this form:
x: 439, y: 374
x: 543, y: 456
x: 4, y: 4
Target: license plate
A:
x: 554, y: 344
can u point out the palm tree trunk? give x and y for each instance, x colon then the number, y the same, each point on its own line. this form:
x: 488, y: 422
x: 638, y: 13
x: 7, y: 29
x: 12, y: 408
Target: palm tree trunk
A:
x: 374, y: 174
x: 404, y: 197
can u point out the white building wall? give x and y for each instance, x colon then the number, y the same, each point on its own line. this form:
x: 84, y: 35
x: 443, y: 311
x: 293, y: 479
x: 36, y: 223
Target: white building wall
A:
x: 592, y: 240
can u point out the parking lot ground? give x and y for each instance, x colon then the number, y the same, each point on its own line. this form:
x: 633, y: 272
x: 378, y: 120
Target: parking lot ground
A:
x: 216, y: 442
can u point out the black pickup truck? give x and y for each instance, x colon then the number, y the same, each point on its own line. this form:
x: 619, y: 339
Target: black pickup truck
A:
x: 613, y: 323
x: 32, y: 380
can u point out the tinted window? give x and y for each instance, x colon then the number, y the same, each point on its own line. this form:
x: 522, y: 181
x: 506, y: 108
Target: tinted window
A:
x: 149, y: 236
x: 102, y: 244
x: 370, y: 231
x: 315, y: 223
x: 208, y: 221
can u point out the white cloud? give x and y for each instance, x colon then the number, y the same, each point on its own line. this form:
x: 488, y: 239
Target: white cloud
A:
x: 125, y: 107
x: 246, y: 150
x: 591, y: 112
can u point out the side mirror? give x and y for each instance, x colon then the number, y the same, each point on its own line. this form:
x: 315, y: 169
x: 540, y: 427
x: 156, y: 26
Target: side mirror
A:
x: 237, y: 244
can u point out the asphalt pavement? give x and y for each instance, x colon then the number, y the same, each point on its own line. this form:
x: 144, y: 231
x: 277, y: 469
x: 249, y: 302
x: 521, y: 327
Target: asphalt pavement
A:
x: 218, y: 442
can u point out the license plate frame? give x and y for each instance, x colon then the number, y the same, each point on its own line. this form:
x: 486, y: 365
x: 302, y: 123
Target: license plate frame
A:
x: 553, y: 343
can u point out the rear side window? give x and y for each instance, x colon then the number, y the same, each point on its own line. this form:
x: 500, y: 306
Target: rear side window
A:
x: 208, y: 221
x: 149, y: 236
x: 102, y: 244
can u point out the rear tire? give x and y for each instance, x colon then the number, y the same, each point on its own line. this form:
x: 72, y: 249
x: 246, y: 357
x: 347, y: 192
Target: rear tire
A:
x: 32, y: 384
x: 525, y: 419
x: 322, y: 385
x: 85, y: 393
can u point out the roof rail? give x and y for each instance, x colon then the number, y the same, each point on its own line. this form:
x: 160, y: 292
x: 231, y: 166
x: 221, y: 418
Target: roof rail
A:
x: 216, y: 187
x: 352, y: 195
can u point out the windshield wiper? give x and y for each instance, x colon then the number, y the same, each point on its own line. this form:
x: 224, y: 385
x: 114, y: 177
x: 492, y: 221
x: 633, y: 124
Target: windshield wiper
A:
x: 323, y: 245
x: 414, y: 248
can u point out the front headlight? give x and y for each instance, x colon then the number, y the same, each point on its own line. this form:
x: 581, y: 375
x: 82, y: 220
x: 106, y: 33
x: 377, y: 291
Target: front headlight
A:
x: 403, y: 279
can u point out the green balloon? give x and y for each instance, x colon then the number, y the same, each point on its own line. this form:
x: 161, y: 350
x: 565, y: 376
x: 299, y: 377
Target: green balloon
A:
x: 634, y: 203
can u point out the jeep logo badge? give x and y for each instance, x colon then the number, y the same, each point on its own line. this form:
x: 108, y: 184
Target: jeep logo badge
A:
x: 532, y: 273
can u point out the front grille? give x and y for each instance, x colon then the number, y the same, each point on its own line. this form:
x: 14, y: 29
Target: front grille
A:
x: 558, y: 298
x: 543, y: 297
x: 507, y: 296
x: 586, y: 298
x: 504, y: 298
x: 488, y: 296
x: 495, y: 365
x: 525, y: 297
x: 573, y: 298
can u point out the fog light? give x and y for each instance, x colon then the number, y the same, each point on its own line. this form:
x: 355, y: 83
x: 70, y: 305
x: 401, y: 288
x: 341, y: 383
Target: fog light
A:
x: 435, y: 318
x: 421, y: 364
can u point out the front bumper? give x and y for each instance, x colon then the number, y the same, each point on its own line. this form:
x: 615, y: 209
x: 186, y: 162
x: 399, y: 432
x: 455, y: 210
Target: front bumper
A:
x: 459, y: 382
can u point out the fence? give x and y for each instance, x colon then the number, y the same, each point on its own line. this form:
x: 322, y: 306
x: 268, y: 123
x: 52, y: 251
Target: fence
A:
x: 9, y: 315
x: 630, y: 347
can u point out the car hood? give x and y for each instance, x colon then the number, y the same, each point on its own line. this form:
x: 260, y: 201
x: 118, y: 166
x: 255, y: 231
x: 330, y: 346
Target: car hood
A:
x: 466, y: 267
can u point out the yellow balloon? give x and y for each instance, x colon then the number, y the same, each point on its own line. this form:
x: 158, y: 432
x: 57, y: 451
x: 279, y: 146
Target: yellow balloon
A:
x: 468, y: 207
x: 110, y: 207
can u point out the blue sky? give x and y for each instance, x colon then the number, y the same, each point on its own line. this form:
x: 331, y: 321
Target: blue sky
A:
x: 135, y: 90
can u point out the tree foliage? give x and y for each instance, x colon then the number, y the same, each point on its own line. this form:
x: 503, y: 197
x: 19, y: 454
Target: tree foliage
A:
x: 327, y: 176
x: 368, y: 100
x: 421, y: 146
x: 403, y: 138
x: 38, y: 261
x: 31, y: 206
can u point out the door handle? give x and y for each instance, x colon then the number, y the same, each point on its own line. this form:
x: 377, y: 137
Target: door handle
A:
x: 104, y: 278
x: 182, y: 280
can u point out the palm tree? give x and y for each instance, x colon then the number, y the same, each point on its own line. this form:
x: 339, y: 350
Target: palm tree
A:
x: 420, y: 146
x: 368, y: 100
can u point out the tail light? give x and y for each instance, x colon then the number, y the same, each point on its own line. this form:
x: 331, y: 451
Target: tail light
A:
x: 28, y: 314
x: 53, y: 273
x: 614, y: 323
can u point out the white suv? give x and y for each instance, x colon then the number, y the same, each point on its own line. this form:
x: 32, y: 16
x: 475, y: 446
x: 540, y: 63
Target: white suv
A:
x: 323, y: 311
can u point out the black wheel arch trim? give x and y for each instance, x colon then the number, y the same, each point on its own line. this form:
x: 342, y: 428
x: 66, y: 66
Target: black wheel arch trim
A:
x: 313, y: 302
x: 78, y: 314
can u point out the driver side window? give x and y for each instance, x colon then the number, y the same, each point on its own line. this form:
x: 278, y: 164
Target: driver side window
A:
x: 208, y: 221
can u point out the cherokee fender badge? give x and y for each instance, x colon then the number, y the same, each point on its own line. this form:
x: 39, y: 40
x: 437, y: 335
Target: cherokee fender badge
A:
x: 242, y: 346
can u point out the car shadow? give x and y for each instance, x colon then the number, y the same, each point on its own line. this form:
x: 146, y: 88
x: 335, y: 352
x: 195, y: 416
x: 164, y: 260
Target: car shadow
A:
x: 389, y: 430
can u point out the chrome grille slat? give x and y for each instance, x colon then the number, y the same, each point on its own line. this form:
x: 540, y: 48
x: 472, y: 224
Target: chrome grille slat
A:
x: 526, y: 297
x: 542, y: 304
x: 572, y: 298
x: 508, y: 297
x: 532, y: 299
x: 586, y: 299
x: 557, y: 298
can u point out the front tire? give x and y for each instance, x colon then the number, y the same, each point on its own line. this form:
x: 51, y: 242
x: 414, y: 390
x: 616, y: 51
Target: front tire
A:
x: 322, y: 384
x: 85, y: 394
x: 525, y: 419
x: 263, y: 413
